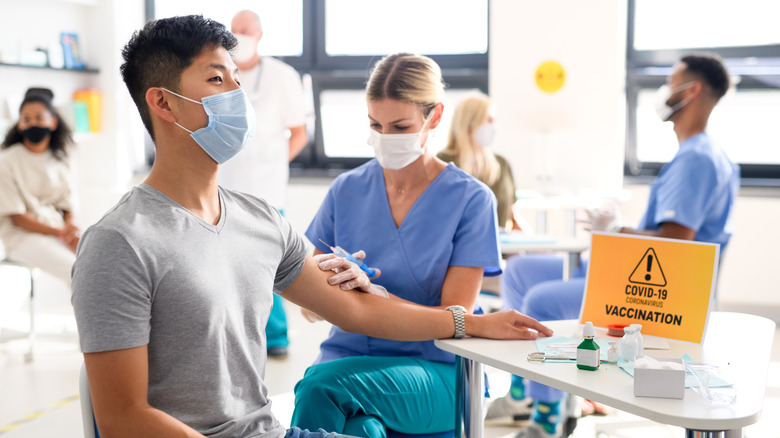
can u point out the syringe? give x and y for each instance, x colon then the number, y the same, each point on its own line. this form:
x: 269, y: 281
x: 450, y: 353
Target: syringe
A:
x: 341, y: 253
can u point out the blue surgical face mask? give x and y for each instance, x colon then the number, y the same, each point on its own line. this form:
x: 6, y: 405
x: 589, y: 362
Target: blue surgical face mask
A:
x: 231, y: 124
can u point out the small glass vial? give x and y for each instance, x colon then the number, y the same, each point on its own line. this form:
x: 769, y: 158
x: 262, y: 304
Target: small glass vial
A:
x: 640, y: 340
x: 612, y: 352
x: 588, y: 351
x: 628, y: 345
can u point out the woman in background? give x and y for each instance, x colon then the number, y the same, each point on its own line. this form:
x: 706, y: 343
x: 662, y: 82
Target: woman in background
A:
x: 469, y: 146
x: 36, y: 189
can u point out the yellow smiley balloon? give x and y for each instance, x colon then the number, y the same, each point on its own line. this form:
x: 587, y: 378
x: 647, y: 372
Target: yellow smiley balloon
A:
x: 550, y: 76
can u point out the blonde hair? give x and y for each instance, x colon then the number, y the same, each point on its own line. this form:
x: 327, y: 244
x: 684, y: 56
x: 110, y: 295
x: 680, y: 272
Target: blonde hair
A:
x: 470, y: 114
x: 407, y: 78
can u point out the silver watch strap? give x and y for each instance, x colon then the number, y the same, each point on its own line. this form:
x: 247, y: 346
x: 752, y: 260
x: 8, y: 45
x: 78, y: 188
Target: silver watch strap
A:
x: 460, y: 321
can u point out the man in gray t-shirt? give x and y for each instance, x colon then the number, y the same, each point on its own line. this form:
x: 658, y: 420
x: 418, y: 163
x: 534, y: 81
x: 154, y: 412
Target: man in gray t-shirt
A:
x: 186, y: 289
x: 172, y: 288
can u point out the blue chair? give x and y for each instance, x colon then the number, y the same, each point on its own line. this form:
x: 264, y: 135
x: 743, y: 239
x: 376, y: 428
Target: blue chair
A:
x: 28, y: 357
x: 87, y: 414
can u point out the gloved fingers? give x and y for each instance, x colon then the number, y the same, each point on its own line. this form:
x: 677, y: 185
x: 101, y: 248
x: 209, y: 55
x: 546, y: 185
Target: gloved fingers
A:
x: 377, y: 273
x: 333, y: 263
x: 351, y: 277
x: 322, y: 257
x: 359, y: 256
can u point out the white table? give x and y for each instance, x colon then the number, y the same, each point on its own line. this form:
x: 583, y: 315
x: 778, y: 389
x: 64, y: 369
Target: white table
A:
x: 514, y: 243
x: 738, y: 342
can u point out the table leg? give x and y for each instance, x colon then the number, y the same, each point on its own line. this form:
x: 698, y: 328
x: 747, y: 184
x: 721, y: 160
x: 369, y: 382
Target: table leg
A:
x: 570, y: 263
x: 734, y: 433
x: 469, y: 378
x: 460, y: 387
x: 571, y: 223
x: 541, y: 222
x: 476, y: 394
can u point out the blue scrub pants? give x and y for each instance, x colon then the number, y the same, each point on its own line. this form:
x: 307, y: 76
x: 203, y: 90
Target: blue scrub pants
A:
x: 365, y: 395
x: 533, y: 285
x: 295, y: 432
x: 276, y: 329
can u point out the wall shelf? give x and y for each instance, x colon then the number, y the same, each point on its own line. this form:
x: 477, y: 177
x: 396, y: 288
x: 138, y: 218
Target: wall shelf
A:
x: 36, y: 67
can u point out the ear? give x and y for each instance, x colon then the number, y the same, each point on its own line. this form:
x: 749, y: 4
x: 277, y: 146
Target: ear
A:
x: 157, y: 100
x: 697, y: 88
x: 438, y: 110
x: 55, y: 122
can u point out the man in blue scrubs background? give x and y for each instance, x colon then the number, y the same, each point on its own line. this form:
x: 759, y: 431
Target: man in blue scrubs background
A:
x: 692, y: 199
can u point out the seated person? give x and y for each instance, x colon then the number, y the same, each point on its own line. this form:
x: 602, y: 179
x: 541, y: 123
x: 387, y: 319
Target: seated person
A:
x: 692, y: 199
x: 172, y: 288
x: 37, y: 188
x: 469, y: 146
x: 431, y: 228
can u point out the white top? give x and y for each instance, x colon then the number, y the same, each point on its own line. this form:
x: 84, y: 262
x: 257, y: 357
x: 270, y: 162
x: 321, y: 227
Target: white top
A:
x: 38, y: 184
x: 739, y: 343
x: 262, y: 168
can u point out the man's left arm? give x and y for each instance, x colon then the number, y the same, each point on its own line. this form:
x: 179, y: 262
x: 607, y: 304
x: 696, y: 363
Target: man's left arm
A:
x: 361, y: 312
x: 298, y: 140
x: 669, y: 230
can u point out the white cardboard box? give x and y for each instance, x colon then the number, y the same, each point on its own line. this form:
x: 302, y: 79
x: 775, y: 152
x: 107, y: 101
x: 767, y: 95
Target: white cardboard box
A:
x: 660, y: 383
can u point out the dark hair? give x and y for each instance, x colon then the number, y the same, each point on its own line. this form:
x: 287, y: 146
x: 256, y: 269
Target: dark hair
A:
x: 156, y: 55
x: 710, y: 69
x: 60, y: 137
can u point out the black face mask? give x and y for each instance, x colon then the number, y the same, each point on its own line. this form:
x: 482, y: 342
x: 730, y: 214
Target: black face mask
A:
x: 35, y: 134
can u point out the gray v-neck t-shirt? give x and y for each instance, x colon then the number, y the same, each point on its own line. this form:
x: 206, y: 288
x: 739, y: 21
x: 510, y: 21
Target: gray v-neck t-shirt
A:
x: 150, y: 272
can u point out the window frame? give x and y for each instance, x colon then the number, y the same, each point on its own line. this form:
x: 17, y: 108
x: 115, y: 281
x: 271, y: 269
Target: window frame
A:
x: 648, y: 69
x: 351, y: 73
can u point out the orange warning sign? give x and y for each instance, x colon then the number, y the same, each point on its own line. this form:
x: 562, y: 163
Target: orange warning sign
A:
x: 664, y: 284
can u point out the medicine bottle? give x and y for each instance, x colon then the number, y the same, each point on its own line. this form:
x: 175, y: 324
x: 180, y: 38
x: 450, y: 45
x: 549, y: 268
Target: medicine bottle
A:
x: 588, y: 351
x: 640, y: 340
x: 628, y: 345
x: 612, y: 352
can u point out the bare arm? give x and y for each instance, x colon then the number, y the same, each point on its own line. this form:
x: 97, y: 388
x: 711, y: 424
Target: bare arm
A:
x: 368, y: 314
x: 461, y: 287
x: 27, y: 222
x: 118, y: 381
x: 69, y: 234
x: 668, y: 230
x: 298, y: 140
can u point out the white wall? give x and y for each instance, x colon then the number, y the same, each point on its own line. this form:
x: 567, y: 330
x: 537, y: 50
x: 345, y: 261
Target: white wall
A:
x: 573, y: 139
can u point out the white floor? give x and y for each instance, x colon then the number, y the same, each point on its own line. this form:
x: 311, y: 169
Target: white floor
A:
x: 40, y: 399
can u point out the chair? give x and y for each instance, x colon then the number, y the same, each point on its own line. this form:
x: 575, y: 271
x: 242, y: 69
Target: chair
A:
x: 28, y: 357
x: 87, y: 414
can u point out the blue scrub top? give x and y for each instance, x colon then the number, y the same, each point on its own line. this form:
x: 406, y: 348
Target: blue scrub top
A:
x: 697, y: 190
x: 452, y: 223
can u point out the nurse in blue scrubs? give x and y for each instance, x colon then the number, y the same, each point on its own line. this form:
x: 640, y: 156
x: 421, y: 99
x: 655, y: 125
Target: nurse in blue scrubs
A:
x: 432, y: 230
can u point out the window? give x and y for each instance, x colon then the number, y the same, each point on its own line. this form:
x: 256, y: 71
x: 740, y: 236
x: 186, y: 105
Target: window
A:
x: 282, y: 21
x: 334, y: 44
x: 744, y: 122
x: 431, y: 26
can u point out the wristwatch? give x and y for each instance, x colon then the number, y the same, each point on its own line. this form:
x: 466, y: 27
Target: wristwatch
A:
x: 460, y: 321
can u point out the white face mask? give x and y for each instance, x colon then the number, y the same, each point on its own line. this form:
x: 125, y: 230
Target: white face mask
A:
x: 485, y: 135
x: 396, y: 151
x: 662, y: 96
x: 246, y: 48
